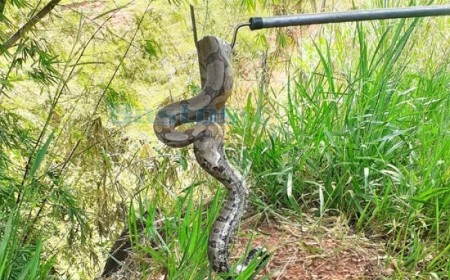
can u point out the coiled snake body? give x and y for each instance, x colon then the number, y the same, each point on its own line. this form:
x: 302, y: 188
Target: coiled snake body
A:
x: 207, y: 137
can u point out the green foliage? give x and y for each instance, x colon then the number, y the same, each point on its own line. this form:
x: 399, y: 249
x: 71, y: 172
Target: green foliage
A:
x: 177, y: 241
x: 371, y: 142
x: 18, y: 261
x: 151, y: 48
x: 361, y: 128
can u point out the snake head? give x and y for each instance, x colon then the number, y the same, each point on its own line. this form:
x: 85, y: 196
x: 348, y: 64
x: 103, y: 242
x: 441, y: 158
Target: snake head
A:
x: 208, y: 146
x: 208, y: 153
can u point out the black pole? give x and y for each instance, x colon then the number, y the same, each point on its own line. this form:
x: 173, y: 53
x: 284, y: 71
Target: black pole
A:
x: 307, y: 19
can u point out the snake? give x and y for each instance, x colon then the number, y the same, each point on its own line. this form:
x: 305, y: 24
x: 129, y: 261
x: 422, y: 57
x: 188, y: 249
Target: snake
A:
x: 206, y: 110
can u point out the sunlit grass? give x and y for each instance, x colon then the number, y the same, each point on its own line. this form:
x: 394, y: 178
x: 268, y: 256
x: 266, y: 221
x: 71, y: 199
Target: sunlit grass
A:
x: 371, y: 142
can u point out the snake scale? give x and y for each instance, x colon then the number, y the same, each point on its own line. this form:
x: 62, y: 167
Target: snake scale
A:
x: 207, y: 137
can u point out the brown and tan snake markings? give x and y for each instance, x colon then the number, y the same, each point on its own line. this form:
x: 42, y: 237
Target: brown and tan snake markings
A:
x: 207, y: 137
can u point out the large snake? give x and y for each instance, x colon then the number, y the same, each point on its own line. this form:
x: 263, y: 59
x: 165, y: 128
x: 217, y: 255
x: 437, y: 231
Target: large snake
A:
x: 207, y: 136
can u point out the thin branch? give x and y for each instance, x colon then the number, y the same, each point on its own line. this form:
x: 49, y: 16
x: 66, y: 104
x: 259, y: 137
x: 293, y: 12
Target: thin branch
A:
x: 32, y: 22
x: 194, y: 26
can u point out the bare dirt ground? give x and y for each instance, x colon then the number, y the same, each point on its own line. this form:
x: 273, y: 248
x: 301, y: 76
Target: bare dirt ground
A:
x: 308, y: 250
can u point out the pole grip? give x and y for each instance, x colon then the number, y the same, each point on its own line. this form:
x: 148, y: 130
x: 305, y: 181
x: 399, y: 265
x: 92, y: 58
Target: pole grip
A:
x: 256, y: 23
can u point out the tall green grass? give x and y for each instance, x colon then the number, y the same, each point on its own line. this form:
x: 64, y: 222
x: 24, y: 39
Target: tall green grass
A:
x: 370, y: 140
x: 18, y: 261
x: 176, y: 240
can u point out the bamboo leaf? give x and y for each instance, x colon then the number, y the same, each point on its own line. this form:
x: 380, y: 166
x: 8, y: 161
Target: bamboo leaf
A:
x: 40, y: 155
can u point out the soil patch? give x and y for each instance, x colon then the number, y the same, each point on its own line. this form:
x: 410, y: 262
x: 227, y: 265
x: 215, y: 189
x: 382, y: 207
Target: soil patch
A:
x: 309, y: 251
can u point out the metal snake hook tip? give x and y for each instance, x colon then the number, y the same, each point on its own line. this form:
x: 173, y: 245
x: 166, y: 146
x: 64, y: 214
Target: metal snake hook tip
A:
x: 236, y: 29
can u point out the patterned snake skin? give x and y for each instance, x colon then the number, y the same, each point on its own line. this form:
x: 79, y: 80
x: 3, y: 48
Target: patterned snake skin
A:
x: 207, y: 137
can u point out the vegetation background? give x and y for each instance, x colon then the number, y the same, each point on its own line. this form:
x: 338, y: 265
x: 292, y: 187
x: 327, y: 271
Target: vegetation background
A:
x: 348, y: 122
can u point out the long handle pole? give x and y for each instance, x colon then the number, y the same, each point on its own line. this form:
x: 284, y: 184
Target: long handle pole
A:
x: 307, y: 19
